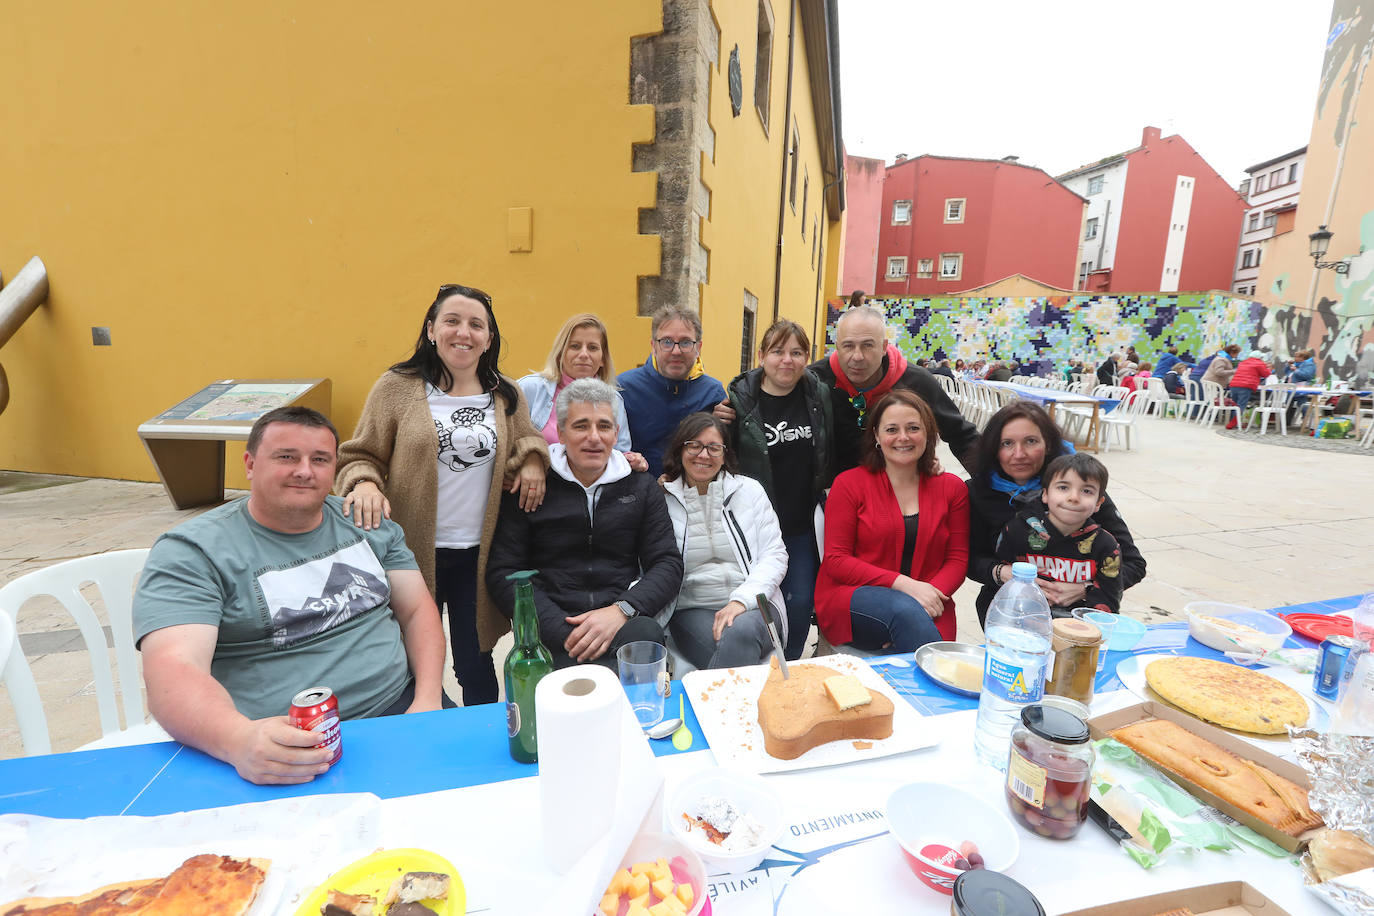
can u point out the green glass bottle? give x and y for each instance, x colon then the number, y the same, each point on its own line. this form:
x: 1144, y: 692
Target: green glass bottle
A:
x: 526, y: 665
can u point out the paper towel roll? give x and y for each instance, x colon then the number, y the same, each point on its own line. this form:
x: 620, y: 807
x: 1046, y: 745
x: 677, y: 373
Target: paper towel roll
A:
x: 579, y: 712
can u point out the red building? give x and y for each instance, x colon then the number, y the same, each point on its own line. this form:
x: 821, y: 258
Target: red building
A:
x: 1159, y: 218
x: 950, y: 224
x: 863, y: 204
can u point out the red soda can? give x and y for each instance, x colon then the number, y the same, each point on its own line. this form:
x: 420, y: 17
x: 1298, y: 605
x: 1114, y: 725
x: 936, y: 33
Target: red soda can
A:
x: 316, y: 709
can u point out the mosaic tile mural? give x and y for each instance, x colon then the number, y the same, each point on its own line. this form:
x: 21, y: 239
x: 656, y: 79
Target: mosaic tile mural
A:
x: 1047, y: 331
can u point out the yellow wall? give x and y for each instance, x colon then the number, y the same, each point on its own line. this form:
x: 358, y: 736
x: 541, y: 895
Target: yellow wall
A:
x: 1306, y: 307
x: 277, y: 189
x: 741, y: 233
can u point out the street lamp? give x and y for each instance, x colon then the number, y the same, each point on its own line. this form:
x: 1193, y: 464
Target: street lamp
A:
x: 1318, y: 242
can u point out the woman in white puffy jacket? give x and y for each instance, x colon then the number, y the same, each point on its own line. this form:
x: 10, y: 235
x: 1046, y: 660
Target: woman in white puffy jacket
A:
x: 732, y: 550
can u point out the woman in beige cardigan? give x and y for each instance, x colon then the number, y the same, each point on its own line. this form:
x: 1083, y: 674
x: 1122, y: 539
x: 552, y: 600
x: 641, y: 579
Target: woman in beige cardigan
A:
x: 448, y: 400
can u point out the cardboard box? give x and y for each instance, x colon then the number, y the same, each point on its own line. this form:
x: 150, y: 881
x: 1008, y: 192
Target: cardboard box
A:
x: 1101, y: 725
x: 1230, y: 898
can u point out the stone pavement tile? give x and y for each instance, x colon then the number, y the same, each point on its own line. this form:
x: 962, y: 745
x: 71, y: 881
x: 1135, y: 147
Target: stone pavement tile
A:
x: 1246, y: 539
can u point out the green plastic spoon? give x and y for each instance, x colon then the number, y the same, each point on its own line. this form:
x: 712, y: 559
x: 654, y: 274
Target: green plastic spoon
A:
x: 682, y: 738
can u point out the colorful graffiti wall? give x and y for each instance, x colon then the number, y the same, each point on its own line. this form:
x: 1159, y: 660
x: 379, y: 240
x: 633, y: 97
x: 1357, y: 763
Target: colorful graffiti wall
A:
x: 1047, y: 331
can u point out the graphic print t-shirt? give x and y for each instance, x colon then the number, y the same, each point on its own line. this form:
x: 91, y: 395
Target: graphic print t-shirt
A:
x: 293, y: 610
x: 787, y: 430
x: 466, y: 428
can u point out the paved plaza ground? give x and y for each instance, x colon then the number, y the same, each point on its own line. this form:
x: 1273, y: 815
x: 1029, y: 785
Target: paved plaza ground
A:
x: 1224, y: 518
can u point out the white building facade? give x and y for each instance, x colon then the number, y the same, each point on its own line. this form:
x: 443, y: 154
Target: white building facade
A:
x: 1272, y: 193
x: 1104, y: 185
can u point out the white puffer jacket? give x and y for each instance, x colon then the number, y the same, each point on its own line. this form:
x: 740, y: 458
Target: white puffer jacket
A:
x: 752, y: 525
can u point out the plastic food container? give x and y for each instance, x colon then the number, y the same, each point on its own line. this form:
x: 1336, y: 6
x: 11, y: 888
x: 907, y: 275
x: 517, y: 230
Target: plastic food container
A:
x: 749, y: 794
x: 1233, y: 627
x: 686, y: 866
x: 1049, y: 770
x: 927, y: 818
x: 987, y: 893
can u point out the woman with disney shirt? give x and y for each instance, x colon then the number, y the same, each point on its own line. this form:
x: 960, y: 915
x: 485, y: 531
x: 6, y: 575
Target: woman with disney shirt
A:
x: 434, y: 431
x: 1016, y: 445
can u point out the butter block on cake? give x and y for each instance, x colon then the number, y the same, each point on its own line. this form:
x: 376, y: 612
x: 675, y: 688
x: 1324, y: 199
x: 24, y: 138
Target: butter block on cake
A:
x: 799, y: 713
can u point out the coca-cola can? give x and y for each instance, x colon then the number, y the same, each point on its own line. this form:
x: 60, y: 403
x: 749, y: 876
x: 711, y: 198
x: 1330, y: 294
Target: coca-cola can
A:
x: 316, y: 709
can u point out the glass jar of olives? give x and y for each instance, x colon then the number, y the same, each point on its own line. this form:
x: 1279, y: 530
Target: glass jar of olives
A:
x: 1049, y: 770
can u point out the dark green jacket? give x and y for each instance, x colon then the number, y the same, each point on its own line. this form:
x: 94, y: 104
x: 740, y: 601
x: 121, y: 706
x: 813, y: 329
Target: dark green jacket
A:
x: 750, y: 443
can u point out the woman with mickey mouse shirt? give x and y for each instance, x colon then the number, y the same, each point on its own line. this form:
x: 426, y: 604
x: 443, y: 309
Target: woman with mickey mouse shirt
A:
x: 431, y: 437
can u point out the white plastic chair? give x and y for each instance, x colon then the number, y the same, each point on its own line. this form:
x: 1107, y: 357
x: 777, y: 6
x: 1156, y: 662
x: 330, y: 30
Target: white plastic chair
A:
x: 1157, y: 397
x: 1191, y: 401
x: 18, y: 681
x: 823, y: 646
x: 1123, y: 419
x: 1215, y: 397
x: 1368, y: 438
x: 114, y: 575
x: 1271, y: 401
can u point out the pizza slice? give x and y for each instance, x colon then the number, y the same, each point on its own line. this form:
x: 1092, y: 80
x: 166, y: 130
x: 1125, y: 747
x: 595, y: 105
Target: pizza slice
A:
x: 208, y: 885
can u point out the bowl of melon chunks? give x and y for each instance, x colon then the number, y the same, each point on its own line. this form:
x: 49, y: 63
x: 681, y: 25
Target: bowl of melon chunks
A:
x: 659, y: 876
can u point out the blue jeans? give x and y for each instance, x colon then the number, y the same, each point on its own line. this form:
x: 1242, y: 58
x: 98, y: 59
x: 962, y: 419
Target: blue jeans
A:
x: 879, y: 616
x: 799, y: 590
x: 744, y: 642
x: 1241, y: 396
x: 455, y: 585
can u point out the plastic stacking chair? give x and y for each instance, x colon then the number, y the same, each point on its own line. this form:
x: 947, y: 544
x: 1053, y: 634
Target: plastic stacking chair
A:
x: 1215, y: 405
x: 114, y: 575
x: 18, y: 681
x: 1271, y: 401
x: 1123, y: 419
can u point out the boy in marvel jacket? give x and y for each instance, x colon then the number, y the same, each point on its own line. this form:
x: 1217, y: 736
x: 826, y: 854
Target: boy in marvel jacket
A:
x: 1060, y: 539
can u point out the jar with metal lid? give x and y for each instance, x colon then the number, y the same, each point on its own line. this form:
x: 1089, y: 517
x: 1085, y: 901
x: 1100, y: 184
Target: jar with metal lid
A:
x: 1073, y: 670
x: 1049, y: 770
x: 988, y: 893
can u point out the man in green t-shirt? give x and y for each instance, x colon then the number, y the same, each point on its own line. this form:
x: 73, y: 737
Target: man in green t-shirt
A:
x: 243, y: 607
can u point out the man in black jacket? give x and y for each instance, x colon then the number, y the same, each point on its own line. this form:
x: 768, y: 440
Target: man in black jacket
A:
x: 602, y: 540
x: 863, y: 368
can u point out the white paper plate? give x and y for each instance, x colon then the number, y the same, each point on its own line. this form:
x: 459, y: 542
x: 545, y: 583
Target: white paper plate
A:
x: 1131, y: 671
x: 726, y: 705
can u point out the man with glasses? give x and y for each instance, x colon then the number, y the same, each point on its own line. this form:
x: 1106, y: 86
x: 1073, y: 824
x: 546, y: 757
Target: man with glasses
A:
x: 670, y: 385
x: 864, y: 367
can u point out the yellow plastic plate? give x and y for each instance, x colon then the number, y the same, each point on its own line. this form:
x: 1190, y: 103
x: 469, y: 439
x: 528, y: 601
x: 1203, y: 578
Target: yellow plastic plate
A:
x: 374, y: 874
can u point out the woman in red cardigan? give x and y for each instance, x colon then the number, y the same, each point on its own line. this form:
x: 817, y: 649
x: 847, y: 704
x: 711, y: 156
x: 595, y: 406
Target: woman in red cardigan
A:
x: 896, y: 536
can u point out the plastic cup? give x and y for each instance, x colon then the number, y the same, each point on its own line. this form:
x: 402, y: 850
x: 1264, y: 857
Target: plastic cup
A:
x: 644, y: 675
x: 1103, y: 621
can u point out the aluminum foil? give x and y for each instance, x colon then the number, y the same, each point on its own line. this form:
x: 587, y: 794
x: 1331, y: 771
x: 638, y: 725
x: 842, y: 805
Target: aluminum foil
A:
x: 1340, y: 771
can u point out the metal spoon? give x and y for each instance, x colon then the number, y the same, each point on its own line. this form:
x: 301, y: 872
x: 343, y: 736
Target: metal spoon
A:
x: 663, y: 729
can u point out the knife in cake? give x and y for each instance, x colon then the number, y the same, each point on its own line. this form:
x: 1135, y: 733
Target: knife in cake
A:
x: 771, y: 622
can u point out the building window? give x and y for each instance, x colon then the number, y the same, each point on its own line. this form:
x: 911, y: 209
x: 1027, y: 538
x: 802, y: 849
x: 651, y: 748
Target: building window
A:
x: 763, y: 63
x: 1276, y: 178
x: 1247, y: 258
x: 815, y: 234
x: 896, y: 268
x: 1270, y: 219
x: 925, y: 268
x: 1259, y: 252
x: 1293, y: 172
x: 1091, y: 231
x: 951, y: 266
x: 806, y: 196
x: 1083, y: 270
x: 746, y: 339
x: 901, y: 213
x: 954, y: 210
x: 1095, y: 184
x: 1254, y: 222
x: 1259, y: 183
x: 796, y: 155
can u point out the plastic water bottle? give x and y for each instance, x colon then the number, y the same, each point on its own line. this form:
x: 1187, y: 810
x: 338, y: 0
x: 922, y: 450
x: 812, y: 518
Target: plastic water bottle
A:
x: 1018, y: 647
x: 1363, y: 619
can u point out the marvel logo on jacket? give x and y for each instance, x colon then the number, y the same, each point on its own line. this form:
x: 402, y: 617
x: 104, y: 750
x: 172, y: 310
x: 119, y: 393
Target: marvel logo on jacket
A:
x: 1089, y: 556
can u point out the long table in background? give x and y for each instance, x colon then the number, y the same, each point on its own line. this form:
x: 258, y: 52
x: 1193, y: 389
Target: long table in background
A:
x: 446, y: 780
x: 1052, y: 397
